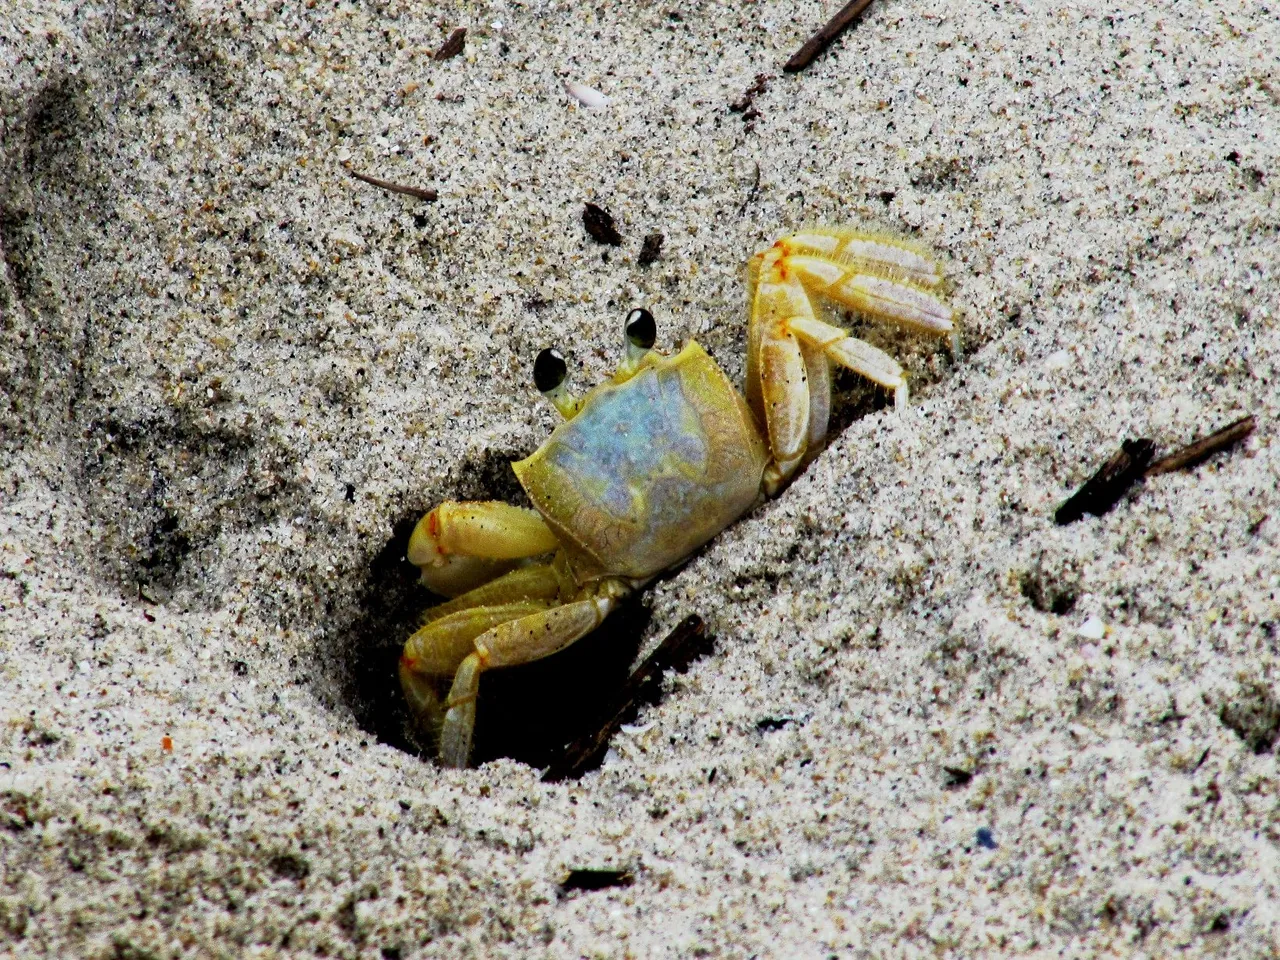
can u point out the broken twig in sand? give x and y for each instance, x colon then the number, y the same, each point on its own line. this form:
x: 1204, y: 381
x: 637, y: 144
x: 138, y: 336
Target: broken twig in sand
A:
x: 824, y: 37
x: 422, y: 193
x: 1199, y: 451
x: 1113, y: 479
x: 1104, y: 489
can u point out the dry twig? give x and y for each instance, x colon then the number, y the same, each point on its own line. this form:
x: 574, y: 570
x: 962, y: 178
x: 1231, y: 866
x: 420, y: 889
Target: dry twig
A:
x: 1199, y: 451
x: 422, y: 193
x: 824, y: 37
x: 1112, y: 480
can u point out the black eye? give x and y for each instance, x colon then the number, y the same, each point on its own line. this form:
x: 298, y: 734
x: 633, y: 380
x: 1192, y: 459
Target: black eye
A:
x: 549, y: 370
x: 640, y: 328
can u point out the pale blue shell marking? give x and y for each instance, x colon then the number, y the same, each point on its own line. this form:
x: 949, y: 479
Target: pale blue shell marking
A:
x: 649, y: 470
x: 630, y: 441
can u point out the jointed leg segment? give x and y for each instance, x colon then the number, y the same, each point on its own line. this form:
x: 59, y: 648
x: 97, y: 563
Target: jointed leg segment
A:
x: 461, y: 545
x: 790, y: 350
x: 520, y: 633
x: 515, y: 617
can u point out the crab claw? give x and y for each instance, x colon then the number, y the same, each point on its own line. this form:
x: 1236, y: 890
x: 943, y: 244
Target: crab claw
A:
x: 459, y: 546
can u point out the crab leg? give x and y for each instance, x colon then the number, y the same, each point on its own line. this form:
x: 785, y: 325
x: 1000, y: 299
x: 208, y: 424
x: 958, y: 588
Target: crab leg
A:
x: 874, y: 296
x: 853, y: 354
x: 449, y: 630
x: 818, y: 367
x: 866, y: 253
x: 436, y: 651
x: 879, y: 277
x: 777, y: 376
x: 537, y: 581
x: 461, y: 545
x: 789, y: 351
x: 514, y: 642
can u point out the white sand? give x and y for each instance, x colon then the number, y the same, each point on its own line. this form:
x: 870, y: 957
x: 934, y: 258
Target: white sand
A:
x: 229, y: 370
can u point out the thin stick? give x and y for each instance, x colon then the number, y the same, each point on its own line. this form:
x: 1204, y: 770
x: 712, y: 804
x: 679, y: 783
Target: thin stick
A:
x: 422, y: 193
x: 1195, y: 453
x: 824, y: 37
x: 679, y: 647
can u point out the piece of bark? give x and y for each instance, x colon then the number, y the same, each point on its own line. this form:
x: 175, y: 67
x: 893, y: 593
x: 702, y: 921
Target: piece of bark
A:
x: 453, y: 46
x: 651, y: 249
x: 1103, y: 490
x: 599, y: 223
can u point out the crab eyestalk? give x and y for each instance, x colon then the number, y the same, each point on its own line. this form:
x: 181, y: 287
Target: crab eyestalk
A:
x: 549, y: 374
x: 641, y: 332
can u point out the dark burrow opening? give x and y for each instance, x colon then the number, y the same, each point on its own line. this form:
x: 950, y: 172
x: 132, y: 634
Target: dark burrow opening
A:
x: 527, y: 713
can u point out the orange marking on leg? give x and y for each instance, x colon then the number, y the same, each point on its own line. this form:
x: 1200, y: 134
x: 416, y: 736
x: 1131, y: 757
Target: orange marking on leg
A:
x: 433, y: 528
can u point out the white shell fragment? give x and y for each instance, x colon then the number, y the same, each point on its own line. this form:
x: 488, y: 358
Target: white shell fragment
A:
x: 1092, y: 629
x: 589, y: 98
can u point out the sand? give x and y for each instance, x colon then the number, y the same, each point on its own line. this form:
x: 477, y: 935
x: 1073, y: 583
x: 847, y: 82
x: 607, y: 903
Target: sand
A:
x: 931, y: 723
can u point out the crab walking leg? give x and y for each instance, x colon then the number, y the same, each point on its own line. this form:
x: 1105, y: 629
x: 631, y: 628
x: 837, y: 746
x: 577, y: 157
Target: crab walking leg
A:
x: 461, y: 545
x: 438, y: 649
x: 818, y: 368
x: 537, y: 581
x: 880, y: 297
x: 853, y: 354
x: 867, y: 253
x: 778, y: 365
x: 449, y: 630
x: 514, y: 642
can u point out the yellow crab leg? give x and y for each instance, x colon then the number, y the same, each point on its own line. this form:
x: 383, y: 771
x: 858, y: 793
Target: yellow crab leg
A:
x: 818, y: 369
x: 854, y: 354
x: 866, y: 253
x: 483, y: 528
x: 537, y: 581
x: 514, y: 642
x: 777, y: 364
x: 447, y: 635
x: 874, y: 296
x: 437, y: 649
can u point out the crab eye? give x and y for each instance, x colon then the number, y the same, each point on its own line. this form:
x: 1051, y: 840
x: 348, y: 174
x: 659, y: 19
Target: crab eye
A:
x: 640, y: 329
x: 549, y: 370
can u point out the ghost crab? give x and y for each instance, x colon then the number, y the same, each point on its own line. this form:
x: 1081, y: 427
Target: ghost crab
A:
x: 648, y: 466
